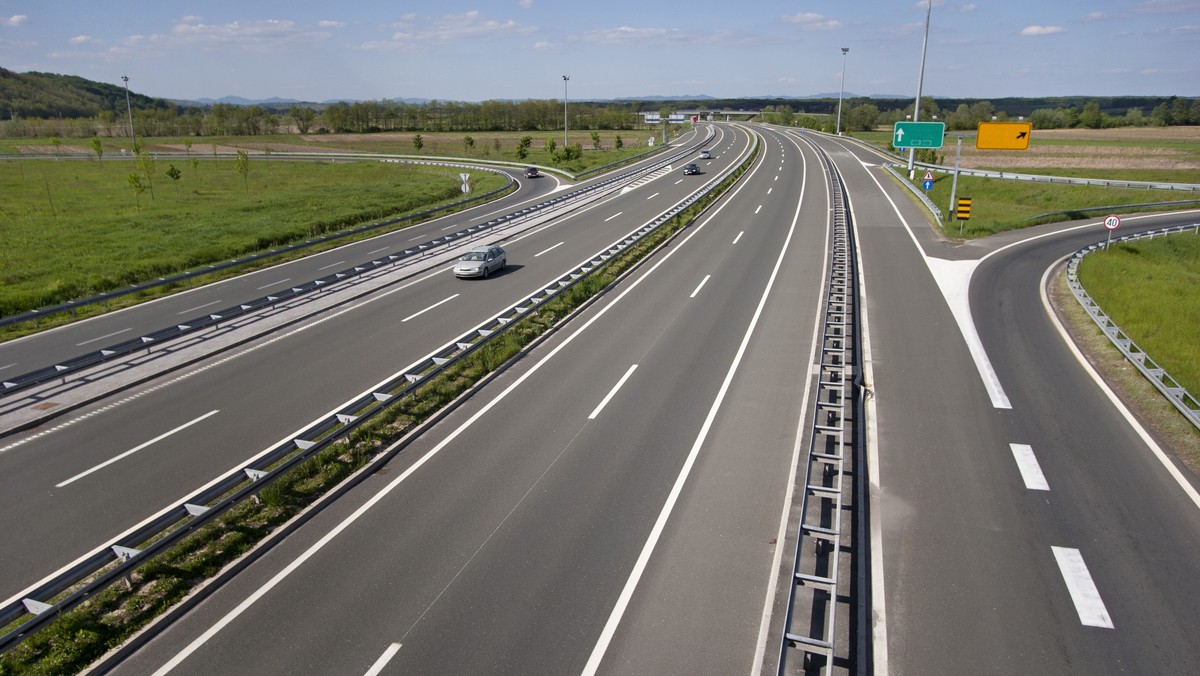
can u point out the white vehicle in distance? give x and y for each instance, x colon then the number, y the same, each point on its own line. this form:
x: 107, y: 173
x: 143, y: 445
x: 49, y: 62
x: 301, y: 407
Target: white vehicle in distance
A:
x: 705, y: 155
x: 481, y: 261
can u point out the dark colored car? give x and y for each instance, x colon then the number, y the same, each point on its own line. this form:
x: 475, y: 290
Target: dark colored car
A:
x: 531, y: 172
x: 689, y: 169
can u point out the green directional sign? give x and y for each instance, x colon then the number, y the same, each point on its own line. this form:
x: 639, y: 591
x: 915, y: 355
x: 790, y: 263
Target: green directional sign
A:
x: 918, y: 134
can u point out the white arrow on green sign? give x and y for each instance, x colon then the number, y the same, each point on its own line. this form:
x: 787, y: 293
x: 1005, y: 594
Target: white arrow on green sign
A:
x: 918, y: 134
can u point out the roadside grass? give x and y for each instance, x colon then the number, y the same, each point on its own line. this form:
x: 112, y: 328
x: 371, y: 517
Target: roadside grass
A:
x: 1001, y: 205
x: 78, y: 637
x: 75, y: 228
x: 1151, y: 289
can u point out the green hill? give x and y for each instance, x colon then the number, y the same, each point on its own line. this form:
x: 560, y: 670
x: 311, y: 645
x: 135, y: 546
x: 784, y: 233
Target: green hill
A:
x: 47, y: 96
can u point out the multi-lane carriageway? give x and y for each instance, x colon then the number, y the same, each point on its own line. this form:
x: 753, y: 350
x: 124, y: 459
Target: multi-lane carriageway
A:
x: 616, y: 501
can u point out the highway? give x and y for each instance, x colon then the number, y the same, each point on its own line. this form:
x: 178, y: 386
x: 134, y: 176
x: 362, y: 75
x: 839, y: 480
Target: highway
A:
x: 1027, y: 527
x: 615, y: 502
x: 646, y: 449
x: 99, y: 471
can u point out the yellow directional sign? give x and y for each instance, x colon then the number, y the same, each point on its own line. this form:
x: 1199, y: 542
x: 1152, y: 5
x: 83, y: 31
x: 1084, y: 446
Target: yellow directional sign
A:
x: 1004, y: 135
x: 963, y: 210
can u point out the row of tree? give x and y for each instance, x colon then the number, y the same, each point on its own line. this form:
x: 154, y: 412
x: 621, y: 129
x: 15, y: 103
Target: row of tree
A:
x: 864, y: 115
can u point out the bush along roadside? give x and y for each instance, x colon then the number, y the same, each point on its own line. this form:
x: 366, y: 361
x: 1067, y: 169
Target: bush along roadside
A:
x: 78, y: 637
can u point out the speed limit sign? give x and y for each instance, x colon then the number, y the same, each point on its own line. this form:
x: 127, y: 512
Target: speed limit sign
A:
x: 1112, y: 221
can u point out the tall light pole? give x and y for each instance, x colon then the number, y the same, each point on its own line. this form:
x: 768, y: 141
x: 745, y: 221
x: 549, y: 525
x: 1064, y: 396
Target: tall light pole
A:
x: 565, y: 79
x: 920, y: 81
x: 842, y: 90
x: 129, y: 111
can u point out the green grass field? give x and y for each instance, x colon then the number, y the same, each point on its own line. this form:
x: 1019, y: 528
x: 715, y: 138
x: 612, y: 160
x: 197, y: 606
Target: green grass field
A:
x: 72, y: 228
x: 1151, y: 289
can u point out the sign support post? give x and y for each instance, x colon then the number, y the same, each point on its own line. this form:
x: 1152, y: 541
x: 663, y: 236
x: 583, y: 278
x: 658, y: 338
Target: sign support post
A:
x: 954, y: 183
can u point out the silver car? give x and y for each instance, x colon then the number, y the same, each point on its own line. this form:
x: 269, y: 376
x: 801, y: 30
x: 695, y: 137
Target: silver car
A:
x: 481, y: 261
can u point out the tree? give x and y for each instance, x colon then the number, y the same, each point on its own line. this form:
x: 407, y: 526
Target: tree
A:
x: 523, y: 147
x: 1091, y: 117
x: 135, y: 182
x: 57, y: 143
x: 551, y: 146
x: 468, y: 144
x: 145, y: 164
x: 418, y: 143
x: 618, y: 143
x: 241, y: 164
x: 302, y: 118
x: 173, y: 173
x: 97, y: 148
x: 595, y: 140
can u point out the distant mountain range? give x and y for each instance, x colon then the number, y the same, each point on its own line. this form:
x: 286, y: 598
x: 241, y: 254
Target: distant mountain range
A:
x: 275, y: 102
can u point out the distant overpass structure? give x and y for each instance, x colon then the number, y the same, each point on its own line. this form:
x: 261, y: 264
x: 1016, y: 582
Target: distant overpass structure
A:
x: 703, y: 114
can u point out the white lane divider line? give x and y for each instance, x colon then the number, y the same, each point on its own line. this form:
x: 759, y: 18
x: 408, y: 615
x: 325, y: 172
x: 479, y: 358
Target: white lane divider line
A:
x: 275, y: 283
x: 94, y: 340
x: 421, y: 312
x: 1084, y: 594
x: 612, y: 392
x: 1031, y: 471
x: 653, y: 196
x: 548, y: 250
x: 701, y: 286
x: 332, y: 265
x: 198, y: 307
x: 386, y: 657
x: 739, y: 237
x: 613, y: 216
x: 758, y: 209
x: 131, y: 451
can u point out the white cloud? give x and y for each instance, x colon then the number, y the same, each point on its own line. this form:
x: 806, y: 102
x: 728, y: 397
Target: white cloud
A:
x: 630, y: 35
x: 454, y: 27
x: 1042, y: 30
x: 525, y: 4
x: 1167, y: 7
x: 249, y: 34
x: 544, y: 46
x: 15, y: 20
x: 81, y: 40
x: 810, y: 21
x: 331, y: 24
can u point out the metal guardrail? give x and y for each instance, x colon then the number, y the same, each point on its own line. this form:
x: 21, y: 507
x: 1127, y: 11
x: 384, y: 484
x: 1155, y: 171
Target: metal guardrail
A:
x: 920, y: 194
x: 811, y: 623
x: 67, y: 367
x: 117, y: 560
x: 1183, y: 400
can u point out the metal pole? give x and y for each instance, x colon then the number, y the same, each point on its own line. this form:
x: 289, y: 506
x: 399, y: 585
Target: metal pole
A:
x: 130, y: 112
x: 842, y: 90
x: 565, y: 79
x: 954, y: 183
x: 920, y: 82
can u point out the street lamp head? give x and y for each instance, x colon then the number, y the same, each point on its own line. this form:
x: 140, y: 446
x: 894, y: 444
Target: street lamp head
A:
x: 845, y: 50
x: 566, y: 77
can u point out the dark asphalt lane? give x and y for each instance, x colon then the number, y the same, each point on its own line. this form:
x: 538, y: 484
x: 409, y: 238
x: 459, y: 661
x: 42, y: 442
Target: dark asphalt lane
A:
x: 971, y: 578
x: 506, y: 551
x: 338, y: 359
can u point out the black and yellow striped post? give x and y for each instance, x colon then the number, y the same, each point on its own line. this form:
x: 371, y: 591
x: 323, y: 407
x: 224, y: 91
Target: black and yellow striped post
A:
x: 962, y: 211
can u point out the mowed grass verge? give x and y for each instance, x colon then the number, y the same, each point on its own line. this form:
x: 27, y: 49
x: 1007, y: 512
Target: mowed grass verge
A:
x: 1151, y: 289
x: 72, y: 228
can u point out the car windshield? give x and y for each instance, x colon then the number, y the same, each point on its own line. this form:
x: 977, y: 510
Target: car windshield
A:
x: 475, y: 256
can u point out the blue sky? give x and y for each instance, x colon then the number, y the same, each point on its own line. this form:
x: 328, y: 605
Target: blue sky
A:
x: 518, y: 49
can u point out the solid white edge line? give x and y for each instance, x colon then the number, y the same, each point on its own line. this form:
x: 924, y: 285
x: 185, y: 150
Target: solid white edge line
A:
x: 229, y: 617
x: 1180, y: 479
x: 135, y: 449
x: 639, y: 567
x: 386, y: 657
x: 700, y: 286
x: 612, y: 393
x: 421, y: 312
x: 1081, y: 587
x: 1031, y: 471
